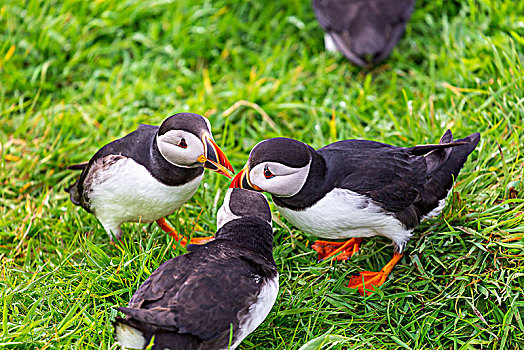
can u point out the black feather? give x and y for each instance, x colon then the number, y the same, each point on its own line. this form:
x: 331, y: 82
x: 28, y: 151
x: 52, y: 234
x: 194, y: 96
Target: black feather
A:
x: 401, y: 180
x: 191, y: 301
x: 80, y: 166
x: 364, y: 30
x: 140, y: 146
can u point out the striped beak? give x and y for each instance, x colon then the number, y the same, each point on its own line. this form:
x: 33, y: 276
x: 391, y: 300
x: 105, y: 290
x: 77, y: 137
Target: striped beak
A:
x: 241, y: 180
x: 215, y: 159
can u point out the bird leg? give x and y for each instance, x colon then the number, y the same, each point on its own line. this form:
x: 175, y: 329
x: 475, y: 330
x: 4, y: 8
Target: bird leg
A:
x: 327, y: 249
x: 200, y: 240
x: 170, y: 230
x: 366, y: 281
x: 182, y: 240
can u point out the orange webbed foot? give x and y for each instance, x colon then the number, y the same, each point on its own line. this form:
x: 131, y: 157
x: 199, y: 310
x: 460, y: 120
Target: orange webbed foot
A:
x: 327, y: 249
x: 367, y: 281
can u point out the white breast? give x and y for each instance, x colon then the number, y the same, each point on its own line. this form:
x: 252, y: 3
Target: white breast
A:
x: 126, y: 191
x: 259, y: 310
x: 343, y: 214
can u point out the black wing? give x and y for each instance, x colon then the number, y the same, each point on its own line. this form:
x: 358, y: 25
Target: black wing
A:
x: 134, y: 145
x: 406, y: 181
x: 198, y: 294
x: 148, y: 127
x: 389, y: 175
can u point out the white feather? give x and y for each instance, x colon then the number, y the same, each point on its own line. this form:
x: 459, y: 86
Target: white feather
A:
x: 126, y: 191
x: 287, y: 181
x: 258, y: 312
x: 344, y: 214
x: 176, y: 155
x: 224, y: 214
x: 329, y: 43
x: 129, y: 337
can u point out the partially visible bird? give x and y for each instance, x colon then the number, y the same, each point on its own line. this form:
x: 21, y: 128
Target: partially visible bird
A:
x: 365, y: 31
x: 217, y: 291
x: 149, y: 173
x: 356, y: 188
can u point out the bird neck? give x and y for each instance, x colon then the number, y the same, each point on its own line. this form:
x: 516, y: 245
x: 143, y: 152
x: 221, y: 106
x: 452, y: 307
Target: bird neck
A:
x: 249, y: 232
x: 313, y: 189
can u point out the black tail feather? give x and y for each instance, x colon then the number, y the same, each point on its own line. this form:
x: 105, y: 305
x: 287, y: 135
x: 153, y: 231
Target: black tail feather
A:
x: 444, y: 168
x: 73, y: 193
x: 80, y: 166
x: 159, y: 318
x: 73, y: 189
x: 446, y: 143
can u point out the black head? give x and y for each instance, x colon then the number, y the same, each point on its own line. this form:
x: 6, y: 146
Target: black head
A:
x: 239, y: 203
x: 190, y: 122
x: 245, y: 219
x: 185, y: 140
x: 279, y: 166
x: 285, y: 151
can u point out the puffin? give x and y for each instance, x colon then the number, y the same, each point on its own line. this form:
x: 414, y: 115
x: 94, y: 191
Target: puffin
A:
x: 365, y: 31
x: 216, y: 294
x: 354, y: 189
x: 149, y: 173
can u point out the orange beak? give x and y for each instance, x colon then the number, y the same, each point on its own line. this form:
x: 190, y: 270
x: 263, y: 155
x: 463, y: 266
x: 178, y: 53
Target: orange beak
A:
x: 241, y: 180
x: 215, y: 159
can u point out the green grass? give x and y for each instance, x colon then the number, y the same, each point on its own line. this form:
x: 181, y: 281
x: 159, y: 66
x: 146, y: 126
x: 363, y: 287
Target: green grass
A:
x: 83, y: 73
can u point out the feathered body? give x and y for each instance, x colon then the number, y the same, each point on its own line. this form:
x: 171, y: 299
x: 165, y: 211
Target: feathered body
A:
x: 193, y: 301
x: 137, y: 178
x: 123, y: 183
x: 365, y: 31
x: 360, y: 188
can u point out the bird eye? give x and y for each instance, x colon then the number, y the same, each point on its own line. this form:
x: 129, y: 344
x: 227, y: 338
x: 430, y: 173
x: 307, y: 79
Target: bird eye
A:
x: 267, y: 173
x: 182, y: 143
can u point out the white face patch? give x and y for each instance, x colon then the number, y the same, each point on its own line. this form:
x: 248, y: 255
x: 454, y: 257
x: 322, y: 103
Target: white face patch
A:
x: 224, y: 214
x: 180, y: 148
x: 279, y: 179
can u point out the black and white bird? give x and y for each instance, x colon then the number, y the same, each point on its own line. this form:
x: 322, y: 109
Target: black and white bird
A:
x: 219, y: 290
x: 356, y: 188
x: 149, y: 173
x: 365, y: 31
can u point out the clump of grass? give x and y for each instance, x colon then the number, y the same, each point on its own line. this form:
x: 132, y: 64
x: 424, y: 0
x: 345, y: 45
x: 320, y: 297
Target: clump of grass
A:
x: 75, y: 75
